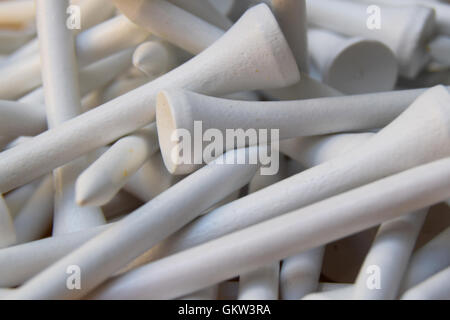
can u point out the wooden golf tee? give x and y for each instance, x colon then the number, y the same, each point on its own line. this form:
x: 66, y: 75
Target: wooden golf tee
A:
x: 300, y: 273
x: 23, y: 75
x: 223, y: 7
x: 405, y: 30
x: 434, y: 288
x: 395, y: 238
x: 262, y: 283
x: 134, y: 110
x: 369, y: 162
x: 62, y: 103
x: 291, y: 16
x: 311, y: 151
x: 155, y: 58
x: 21, y: 119
x: 15, y: 199
x: 143, y: 228
x: 306, y: 88
x: 12, y: 40
x: 32, y: 257
x: 352, y: 65
x: 344, y: 293
x: 34, y: 219
x: 118, y: 33
x: 98, y: 184
x: 27, y: 117
x: 16, y: 12
x: 151, y: 179
x: 178, y: 111
x: 283, y: 236
x: 210, y: 293
x: 153, y: 16
x: 439, y: 49
x: 93, y: 12
x: 93, y: 76
x: 7, y: 231
x: 206, y: 11
x: 428, y: 260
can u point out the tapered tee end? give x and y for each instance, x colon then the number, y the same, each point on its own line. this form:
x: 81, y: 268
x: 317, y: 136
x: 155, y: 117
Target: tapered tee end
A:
x: 174, y: 128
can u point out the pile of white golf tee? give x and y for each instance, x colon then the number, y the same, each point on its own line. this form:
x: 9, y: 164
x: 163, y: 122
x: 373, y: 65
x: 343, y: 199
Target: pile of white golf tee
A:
x: 239, y: 149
